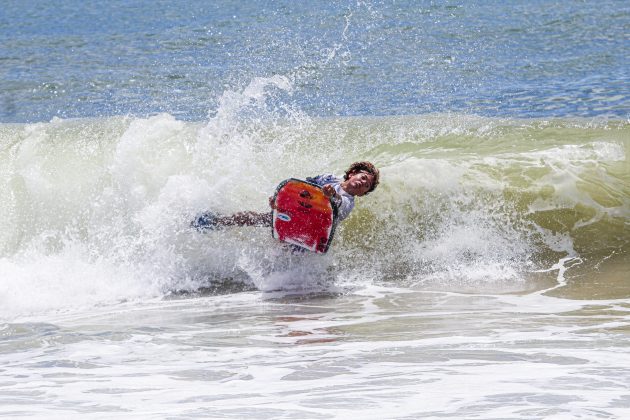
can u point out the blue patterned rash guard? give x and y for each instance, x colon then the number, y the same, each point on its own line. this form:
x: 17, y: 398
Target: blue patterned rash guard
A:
x: 344, y: 202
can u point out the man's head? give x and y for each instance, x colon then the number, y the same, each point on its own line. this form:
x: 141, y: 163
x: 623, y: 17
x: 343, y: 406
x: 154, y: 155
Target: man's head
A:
x: 361, y: 178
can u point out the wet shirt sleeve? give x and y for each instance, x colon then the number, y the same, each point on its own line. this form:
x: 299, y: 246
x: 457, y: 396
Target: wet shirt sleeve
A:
x: 344, y: 202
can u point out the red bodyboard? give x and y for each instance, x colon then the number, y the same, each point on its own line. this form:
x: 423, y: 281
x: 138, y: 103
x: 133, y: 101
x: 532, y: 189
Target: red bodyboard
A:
x: 303, y: 215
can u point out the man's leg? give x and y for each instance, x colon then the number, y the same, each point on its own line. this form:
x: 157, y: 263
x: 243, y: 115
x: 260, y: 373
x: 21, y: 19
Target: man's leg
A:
x: 245, y: 218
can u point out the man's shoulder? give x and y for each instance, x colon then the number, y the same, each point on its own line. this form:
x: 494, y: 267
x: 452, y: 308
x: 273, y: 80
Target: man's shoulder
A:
x: 324, y: 179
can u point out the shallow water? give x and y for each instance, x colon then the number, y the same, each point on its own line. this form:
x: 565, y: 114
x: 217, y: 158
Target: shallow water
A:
x: 374, y: 351
x: 486, y: 277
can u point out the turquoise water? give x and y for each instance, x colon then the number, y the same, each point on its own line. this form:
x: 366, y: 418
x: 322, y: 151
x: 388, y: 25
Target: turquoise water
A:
x: 486, y: 276
x: 518, y: 59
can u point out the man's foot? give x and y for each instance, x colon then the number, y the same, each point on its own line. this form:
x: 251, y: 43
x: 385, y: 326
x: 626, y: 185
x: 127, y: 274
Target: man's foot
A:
x: 206, y: 221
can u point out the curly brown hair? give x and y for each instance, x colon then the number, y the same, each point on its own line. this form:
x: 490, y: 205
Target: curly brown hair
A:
x: 364, y: 166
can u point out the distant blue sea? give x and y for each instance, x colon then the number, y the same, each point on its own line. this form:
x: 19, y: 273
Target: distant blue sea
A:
x: 540, y: 58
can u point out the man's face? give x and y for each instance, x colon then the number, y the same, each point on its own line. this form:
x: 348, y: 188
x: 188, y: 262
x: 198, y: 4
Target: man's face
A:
x: 358, y: 183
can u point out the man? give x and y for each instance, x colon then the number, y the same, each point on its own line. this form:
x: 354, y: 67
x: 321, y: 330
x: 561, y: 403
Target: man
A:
x: 360, y: 179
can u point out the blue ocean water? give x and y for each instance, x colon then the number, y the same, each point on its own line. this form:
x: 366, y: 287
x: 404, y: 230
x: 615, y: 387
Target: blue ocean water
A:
x: 537, y: 58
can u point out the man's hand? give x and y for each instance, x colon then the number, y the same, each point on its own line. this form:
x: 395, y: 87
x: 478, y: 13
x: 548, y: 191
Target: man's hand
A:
x: 329, y: 190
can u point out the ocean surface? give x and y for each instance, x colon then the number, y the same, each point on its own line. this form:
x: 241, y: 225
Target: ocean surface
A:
x: 488, y: 276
